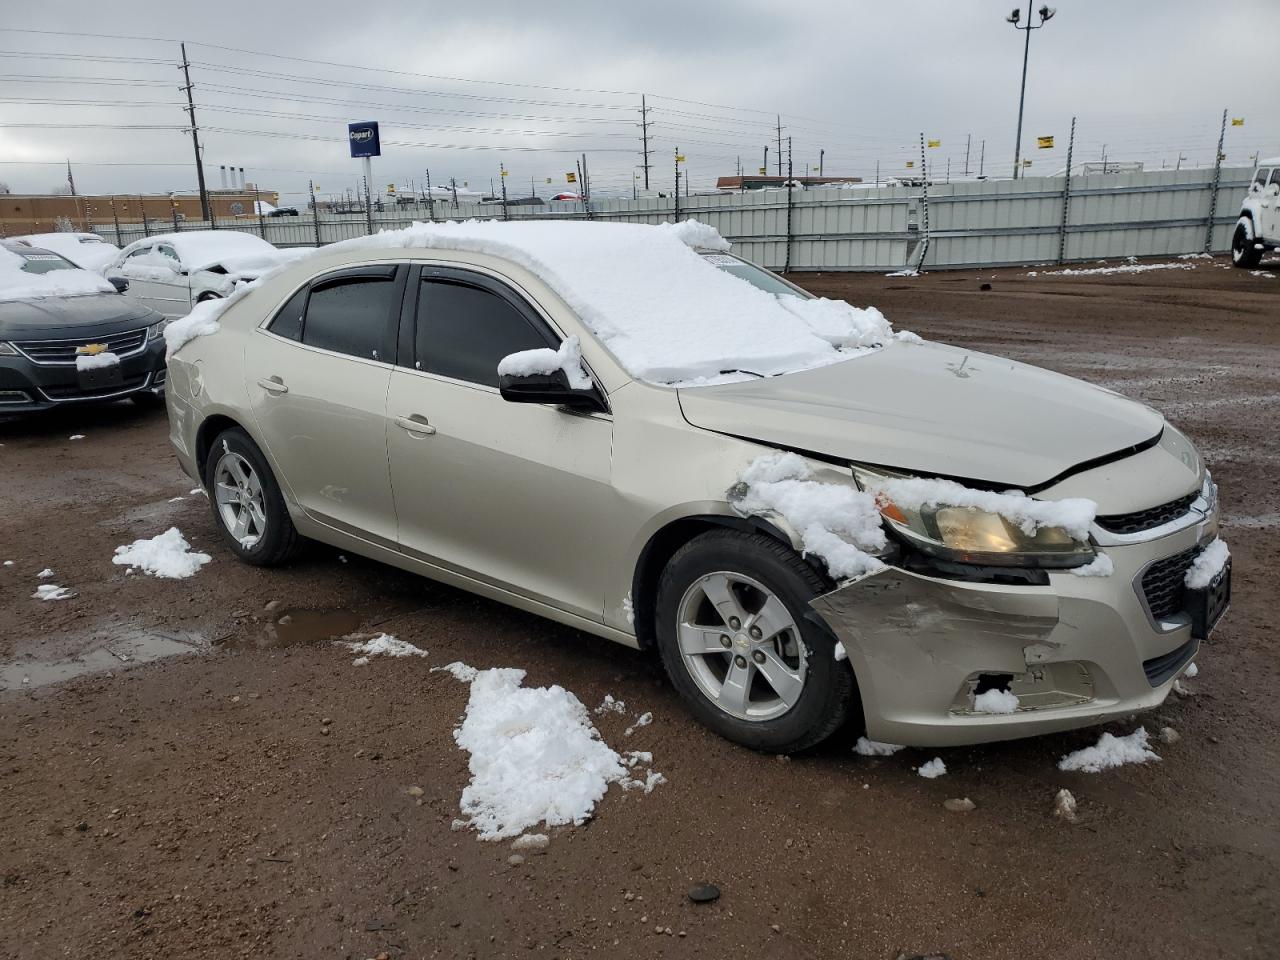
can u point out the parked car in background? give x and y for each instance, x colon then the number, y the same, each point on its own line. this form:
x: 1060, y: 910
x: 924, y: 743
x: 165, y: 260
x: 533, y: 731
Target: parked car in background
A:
x: 86, y: 250
x: 68, y: 337
x: 628, y: 430
x: 283, y: 212
x: 1258, y: 229
x: 172, y: 272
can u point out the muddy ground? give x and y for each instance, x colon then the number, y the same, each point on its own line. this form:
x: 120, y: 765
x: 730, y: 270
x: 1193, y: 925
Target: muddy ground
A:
x: 197, y: 806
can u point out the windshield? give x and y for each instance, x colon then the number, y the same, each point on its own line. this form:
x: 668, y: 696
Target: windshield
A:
x: 756, y: 276
x: 44, y: 263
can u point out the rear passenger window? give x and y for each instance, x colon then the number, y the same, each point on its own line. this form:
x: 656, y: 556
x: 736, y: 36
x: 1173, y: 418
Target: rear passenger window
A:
x: 350, y: 316
x: 464, y: 331
x: 1275, y: 176
x: 288, y: 322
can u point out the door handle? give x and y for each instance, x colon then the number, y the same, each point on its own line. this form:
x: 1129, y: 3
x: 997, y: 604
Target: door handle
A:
x: 272, y: 385
x: 416, y: 424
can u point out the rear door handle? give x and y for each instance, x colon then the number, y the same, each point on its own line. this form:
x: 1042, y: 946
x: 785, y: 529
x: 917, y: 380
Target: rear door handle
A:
x: 272, y: 385
x: 416, y: 424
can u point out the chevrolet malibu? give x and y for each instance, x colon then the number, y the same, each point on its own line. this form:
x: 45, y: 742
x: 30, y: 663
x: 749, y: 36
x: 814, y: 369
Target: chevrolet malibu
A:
x: 811, y: 518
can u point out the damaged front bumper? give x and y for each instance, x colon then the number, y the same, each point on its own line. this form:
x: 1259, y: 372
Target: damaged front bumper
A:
x: 1077, y: 651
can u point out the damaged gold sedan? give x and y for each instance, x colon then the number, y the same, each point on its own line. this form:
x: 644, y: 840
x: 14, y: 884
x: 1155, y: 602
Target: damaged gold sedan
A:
x: 630, y: 431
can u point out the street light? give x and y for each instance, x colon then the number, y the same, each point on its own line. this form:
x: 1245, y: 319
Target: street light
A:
x: 1046, y: 14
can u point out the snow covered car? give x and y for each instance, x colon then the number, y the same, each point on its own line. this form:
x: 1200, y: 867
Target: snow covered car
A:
x: 171, y: 272
x: 629, y: 431
x: 86, y: 250
x: 1258, y: 228
x: 68, y: 337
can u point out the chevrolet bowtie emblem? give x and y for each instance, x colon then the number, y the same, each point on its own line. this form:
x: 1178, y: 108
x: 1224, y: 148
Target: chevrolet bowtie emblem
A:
x: 91, y: 349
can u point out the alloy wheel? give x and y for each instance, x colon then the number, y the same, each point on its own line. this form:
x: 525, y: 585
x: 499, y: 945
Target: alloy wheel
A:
x: 237, y: 490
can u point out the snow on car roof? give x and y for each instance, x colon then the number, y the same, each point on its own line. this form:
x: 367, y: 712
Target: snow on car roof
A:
x: 666, y: 314
x: 199, y: 249
x: 17, y: 284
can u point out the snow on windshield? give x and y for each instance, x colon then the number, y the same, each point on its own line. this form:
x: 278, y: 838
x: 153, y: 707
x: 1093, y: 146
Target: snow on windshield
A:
x: 18, y: 284
x: 666, y: 314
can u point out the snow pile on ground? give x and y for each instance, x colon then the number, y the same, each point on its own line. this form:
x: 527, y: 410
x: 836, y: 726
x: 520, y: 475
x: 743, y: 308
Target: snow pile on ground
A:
x: 1126, y: 268
x: 668, y: 316
x: 17, y: 284
x: 46, y: 572
x: 166, y: 555
x: 383, y: 645
x: 933, y: 769
x: 836, y: 522
x: 1208, y: 564
x: 995, y: 701
x: 611, y: 705
x: 1100, y: 566
x: 641, y: 721
x: 545, y: 361
x: 874, y: 748
x: 535, y: 755
x: 1110, y: 751
x: 96, y: 361
x: 1073, y: 514
x: 51, y: 591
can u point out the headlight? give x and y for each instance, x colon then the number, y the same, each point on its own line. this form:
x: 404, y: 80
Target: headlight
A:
x: 971, y: 535
x: 7, y: 349
x: 155, y: 331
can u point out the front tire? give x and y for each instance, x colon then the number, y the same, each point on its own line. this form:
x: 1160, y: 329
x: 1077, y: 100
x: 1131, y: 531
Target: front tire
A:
x: 739, y: 649
x: 1244, y: 253
x: 248, y: 507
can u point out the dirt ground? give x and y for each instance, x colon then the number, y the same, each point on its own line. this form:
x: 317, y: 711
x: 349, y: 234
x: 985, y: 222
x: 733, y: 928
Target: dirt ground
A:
x: 197, y: 805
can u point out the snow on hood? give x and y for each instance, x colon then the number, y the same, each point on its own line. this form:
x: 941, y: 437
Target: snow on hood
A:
x: 17, y: 284
x: 665, y: 314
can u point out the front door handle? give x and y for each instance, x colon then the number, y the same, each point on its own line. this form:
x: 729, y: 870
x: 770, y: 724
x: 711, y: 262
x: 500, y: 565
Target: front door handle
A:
x: 272, y: 385
x: 416, y: 424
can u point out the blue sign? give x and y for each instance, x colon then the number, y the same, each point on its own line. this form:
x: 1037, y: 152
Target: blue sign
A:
x: 364, y: 139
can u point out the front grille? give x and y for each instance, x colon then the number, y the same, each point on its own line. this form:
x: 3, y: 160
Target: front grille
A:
x: 1147, y: 519
x: 50, y: 352
x: 75, y: 393
x: 1164, y: 586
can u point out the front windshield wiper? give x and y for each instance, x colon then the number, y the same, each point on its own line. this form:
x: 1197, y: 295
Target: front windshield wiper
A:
x: 751, y: 373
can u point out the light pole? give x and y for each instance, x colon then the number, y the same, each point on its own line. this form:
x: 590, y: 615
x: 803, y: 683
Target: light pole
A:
x: 1046, y: 14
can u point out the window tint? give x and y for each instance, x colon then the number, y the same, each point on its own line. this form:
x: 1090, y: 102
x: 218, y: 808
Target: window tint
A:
x: 288, y: 322
x: 350, y: 316
x: 464, y: 331
x: 1275, y: 175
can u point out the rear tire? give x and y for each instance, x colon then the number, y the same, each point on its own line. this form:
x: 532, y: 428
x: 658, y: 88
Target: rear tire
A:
x: 771, y: 689
x: 247, y: 504
x: 1243, y: 252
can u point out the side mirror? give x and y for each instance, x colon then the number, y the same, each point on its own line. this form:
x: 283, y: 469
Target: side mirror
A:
x: 550, y: 388
x: 120, y: 283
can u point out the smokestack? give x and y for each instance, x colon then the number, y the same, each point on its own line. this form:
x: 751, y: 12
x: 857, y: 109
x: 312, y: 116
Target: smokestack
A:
x: 222, y: 171
x: 242, y: 178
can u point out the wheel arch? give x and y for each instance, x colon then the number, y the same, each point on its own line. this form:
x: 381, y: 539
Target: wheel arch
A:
x: 208, y: 430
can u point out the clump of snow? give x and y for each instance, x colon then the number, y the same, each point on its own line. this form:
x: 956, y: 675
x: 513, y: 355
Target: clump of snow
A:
x: 610, y: 705
x: 837, y: 522
x: 383, y: 645
x: 96, y: 361
x: 1207, y: 564
x: 8, y: 563
x: 1192, y: 671
x: 166, y: 555
x: 48, y: 572
x: 1126, y: 268
x: 458, y: 670
x: 1110, y: 751
x: 652, y: 778
x: 933, y: 769
x: 535, y: 756
x: 51, y: 591
x: 1064, y: 806
x: 200, y: 322
x: 531, y: 841
x: 76, y: 436
x: 906, y: 336
x: 17, y: 284
x: 995, y: 701
x: 546, y: 361
x: 1074, y: 514
x: 874, y: 748
x: 839, y: 652
x: 1100, y: 566
x: 664, y: 313
x: 839, y: 323
x: 641, y: 721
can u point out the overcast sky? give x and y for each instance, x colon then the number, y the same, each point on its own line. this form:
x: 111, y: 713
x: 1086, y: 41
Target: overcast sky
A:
x: 860, y: 80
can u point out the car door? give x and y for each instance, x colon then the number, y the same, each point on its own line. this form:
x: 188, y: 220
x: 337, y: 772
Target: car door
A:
x: 317, y: 376
x: 172, y: 290
x: 494, y: 490
x: 144, y: 276
x: 1271, y: 207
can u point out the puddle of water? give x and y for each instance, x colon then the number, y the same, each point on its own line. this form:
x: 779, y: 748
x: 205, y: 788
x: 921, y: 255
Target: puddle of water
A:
x: 293, y: 627
x: 118, y: 653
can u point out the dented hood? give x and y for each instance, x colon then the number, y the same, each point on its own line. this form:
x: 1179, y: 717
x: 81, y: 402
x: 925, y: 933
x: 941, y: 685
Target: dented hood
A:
x: 932, y: 409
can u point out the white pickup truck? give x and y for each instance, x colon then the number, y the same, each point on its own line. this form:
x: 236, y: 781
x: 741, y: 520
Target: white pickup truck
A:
x: 1258, y: 228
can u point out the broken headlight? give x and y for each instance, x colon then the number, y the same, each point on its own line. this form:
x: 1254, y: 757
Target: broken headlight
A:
x: 968, y: 534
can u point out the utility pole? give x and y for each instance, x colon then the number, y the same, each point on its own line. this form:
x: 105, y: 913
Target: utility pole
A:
x: 1217, y: 179
x: 195, y: 134
x: 315, y: 210
x: 502, y: 180
x: 791, y: 182
x: 677, y: 166
x: 644, y: 138
x: 453, y: 185
x: 821, y: 156
x: 968, y: 140
x: 431, y: 200
x: 71, y: 181
x: 982, y: 157
x: 1066, y: 196
x: 1046, y: 14
x: 766, y: 160
x: 779, y: 144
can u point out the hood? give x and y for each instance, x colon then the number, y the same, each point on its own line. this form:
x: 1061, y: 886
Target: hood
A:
x: 67, y: 317
x: 932, y: 409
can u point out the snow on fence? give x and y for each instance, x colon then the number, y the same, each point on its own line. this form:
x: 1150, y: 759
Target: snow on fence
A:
x: 971, y: 223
